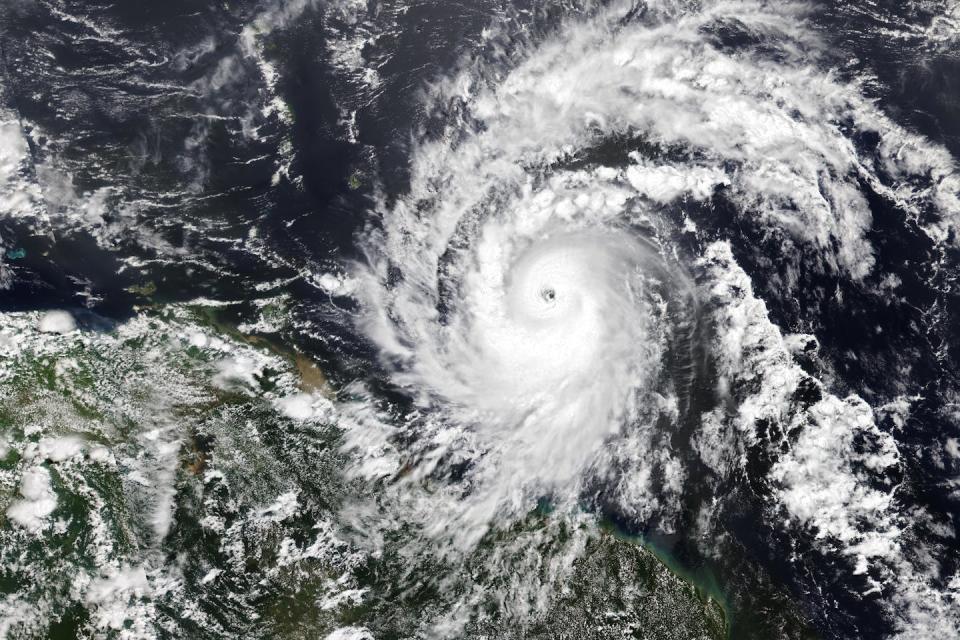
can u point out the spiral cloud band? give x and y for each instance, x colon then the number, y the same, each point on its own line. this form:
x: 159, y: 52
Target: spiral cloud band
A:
x: 543, y: 290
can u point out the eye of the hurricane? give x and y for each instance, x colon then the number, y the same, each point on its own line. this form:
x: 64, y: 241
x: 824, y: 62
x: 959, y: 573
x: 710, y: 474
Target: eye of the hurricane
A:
x: 549, y: 294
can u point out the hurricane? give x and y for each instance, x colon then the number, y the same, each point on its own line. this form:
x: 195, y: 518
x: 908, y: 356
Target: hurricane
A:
x: 503, y: 319
x: 556, y: 295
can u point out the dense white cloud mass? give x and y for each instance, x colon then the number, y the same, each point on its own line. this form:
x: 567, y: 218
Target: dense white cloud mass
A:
x: 37, y: 500
x: 57, y: 322
x: 526, y: 292
x: 567, y: 264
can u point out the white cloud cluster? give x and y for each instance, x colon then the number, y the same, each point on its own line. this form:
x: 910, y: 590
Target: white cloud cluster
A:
x: 831, y: 479
x: 57, y: 322
x: 37, y: 500
x: 495, y: 237
x: 16, y: 197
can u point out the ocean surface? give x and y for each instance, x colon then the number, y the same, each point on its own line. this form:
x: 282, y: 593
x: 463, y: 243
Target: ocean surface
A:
x: 488, y: 319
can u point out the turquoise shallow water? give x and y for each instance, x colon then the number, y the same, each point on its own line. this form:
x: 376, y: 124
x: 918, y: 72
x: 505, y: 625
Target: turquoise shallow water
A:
x: 167, y: 479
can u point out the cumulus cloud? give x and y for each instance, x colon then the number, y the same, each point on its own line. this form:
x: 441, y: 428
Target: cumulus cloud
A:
x: 56, y: 322
x: 37, y: 501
